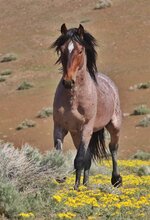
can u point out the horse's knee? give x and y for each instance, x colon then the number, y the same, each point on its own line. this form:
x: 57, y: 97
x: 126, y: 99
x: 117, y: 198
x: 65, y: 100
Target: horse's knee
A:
x: 113, y: 147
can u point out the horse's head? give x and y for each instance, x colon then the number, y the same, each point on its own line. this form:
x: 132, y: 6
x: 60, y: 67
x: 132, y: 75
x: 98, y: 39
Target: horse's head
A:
x: 75, y: 46
x: 72, y: 56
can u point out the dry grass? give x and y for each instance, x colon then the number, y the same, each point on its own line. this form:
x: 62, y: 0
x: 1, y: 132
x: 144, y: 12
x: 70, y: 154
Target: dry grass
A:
x: 8, y: 57
x: 26, y: 124
x: 45, y: 112
x: 27, y: 168
x: 6, y: 72
x: 24, y: 85
x: 145, y: 122
x: 101, y: 4
x: 141, y: 110
x: 27, y: 179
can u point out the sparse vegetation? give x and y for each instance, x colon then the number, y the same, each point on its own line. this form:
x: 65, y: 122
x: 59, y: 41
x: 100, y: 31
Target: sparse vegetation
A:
x: 144, y: 171
x: 101, y: 4
x: 141, y: 155
x: 27, y: 179
x: 145, y: 122
x: 8, y: 57
x: 85, y: 21
x: 6, y: 72
x: 28, y: 188
x: 2, y: 79
x: 24, y: 85
x: 145, y: 85
x: 141, y: 110
x: 26, y: 124
x: 45, y: 112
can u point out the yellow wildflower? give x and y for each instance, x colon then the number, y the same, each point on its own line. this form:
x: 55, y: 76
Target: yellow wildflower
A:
x: 57, y: 198
x: 26, y: 215
x: 91, y: 218
x: 67, y: 215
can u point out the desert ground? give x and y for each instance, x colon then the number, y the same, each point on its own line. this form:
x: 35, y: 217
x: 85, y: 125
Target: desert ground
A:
x: 28, y: 28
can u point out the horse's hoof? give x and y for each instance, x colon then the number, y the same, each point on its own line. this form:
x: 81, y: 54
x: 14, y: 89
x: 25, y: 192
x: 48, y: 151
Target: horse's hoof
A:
x: 58, y: 144
x: 116, y: 180
x: 76, y: 187
x: 61, y: 180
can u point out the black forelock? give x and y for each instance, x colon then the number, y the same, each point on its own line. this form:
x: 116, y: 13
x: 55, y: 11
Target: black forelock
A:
x: 87, y: 40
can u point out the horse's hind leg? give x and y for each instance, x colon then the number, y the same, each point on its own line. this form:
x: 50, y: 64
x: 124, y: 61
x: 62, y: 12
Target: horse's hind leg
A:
x: 59, y: 134
x: 116, y: 179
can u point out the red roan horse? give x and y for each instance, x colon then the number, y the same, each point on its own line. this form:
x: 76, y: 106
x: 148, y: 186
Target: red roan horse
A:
x: 85, y: 103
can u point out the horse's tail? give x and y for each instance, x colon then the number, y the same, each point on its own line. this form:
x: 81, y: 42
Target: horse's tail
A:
x: 97, y: 145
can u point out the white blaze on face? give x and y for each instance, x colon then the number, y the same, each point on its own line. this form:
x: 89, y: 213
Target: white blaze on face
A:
x: 70, y: 46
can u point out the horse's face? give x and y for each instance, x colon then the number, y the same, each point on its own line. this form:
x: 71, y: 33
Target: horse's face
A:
x: 72, y: 58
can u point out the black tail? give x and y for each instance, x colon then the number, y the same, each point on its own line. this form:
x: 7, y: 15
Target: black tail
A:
x: 97, y: 145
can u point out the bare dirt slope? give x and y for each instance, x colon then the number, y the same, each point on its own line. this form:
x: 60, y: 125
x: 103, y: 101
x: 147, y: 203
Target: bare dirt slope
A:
x: 28, y: 28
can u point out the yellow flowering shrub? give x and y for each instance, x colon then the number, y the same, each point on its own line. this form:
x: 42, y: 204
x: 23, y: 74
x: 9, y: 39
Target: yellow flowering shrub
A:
x: 26, y: 215
x: 102, y: 199
x: 67, y: 215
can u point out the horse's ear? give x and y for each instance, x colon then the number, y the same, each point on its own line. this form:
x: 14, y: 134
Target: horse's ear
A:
x: 63, y: 29
x: 81, y: 31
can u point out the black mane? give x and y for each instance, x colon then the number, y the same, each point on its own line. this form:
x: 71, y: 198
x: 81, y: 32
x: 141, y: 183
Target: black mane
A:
x: 87, y: 40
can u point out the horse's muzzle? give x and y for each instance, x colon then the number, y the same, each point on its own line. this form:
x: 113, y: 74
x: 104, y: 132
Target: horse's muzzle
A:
x: 68, y: 84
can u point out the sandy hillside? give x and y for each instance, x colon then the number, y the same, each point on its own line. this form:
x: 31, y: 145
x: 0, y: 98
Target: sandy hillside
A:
x: 28, y: 28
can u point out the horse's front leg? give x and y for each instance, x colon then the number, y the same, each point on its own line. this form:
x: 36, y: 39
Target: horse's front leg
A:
x: 83, y: 159
x: 59, y: 134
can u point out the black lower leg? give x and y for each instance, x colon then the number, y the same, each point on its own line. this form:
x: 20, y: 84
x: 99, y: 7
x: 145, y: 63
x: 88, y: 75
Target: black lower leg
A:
x: 58, y: 144
x: 87, y: 165
x: 79, y: 165
x: 78, y: 177
x: 116, y: 179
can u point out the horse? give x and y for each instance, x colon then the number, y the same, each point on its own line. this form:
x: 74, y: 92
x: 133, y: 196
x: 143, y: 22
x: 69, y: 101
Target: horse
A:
x: 86, y: 102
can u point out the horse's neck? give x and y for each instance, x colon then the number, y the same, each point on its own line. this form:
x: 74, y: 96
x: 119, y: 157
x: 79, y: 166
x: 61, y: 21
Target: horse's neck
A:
x: 83, y: 86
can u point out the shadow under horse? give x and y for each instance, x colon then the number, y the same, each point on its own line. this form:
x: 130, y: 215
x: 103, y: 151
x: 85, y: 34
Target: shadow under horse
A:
x: 85, y: 103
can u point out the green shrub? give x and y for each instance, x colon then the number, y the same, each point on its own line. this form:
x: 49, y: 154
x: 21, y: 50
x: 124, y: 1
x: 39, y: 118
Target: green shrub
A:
x: 2, y: 79
x: 8, y: 57
x: 10, y: 200
x: 141, y: 110
x: 103, y: 4
x: 27, y: 179
x: 26, y: 124
x: 45, y: 112
x: 28, y: 169
x: 144, y: 171
x: 6, y: 72
x: 24, y: 85
x: 145, y: 85
x: 145, y: 122
x: 141, y: 155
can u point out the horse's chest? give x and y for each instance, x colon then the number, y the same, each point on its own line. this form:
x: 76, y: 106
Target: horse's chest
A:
x: 71, y: 119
